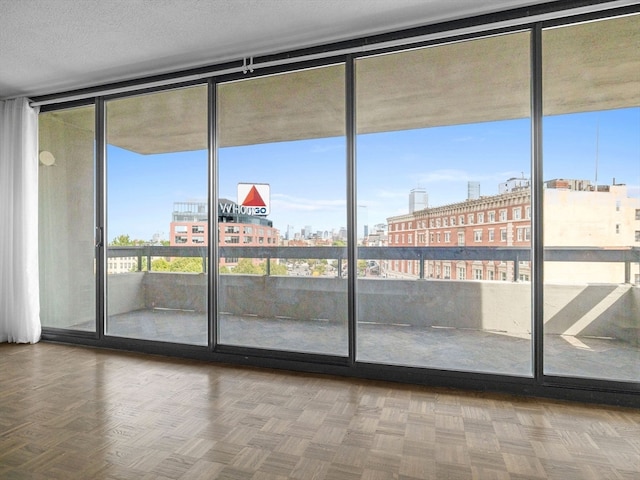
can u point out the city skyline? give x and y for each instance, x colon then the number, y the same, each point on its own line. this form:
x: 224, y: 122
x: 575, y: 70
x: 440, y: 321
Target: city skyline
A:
x: 308, y: 177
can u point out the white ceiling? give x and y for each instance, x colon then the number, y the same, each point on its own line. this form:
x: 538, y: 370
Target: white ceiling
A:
x: 49, y: 46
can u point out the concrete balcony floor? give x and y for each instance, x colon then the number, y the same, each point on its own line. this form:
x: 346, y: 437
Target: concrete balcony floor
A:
x: 441, y: 348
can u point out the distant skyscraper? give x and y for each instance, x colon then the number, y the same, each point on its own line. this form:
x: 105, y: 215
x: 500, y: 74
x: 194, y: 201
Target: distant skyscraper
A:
x: 473, y: 190
x: 418, y: 200
x: 307, y: 232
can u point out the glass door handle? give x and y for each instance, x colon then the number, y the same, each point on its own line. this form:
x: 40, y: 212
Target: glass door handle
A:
x: 98, y: 237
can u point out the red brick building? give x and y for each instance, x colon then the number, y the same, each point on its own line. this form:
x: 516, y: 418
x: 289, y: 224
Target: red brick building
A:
x: 190, y: 227
x: 502, y: 220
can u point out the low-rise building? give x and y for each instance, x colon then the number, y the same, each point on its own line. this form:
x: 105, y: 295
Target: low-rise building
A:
x: 577, y: 214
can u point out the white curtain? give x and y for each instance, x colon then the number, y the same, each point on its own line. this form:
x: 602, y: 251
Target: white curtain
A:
x: 19, y: 288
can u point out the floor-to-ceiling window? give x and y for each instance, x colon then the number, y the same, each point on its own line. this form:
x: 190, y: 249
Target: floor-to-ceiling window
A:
x: 591, y: 134
x: 444, y: 217
x: 157, y: 216
x: 282, y: 212
x: 67, y: 234
x: 440, y: 203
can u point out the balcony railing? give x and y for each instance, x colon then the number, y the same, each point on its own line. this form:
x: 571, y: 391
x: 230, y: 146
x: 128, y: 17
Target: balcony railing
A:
x: 598, y: 309
x: 620, y: 255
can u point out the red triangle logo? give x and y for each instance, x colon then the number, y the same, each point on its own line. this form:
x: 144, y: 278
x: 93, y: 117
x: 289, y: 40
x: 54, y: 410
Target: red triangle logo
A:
x: 253, y: 199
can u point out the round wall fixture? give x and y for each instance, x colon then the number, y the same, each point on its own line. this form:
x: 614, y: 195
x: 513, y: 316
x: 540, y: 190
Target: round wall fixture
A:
x: 46, y: 158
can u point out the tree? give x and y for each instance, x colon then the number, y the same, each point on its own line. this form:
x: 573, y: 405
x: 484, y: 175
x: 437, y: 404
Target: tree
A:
x: 274, y: 268
x: 121, y: 241
x: 362, y: 267
x: 126, y: 241
x: 186, y: 264
x: 319, y: 269
x: 160, y: 265
x: 246, y: 266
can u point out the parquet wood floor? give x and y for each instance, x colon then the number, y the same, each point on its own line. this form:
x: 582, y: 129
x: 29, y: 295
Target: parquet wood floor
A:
x: 78, y: 413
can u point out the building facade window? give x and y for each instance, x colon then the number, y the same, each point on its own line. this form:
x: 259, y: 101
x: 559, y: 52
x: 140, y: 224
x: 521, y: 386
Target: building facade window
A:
x: 517, y: 213
x: 461, y: 273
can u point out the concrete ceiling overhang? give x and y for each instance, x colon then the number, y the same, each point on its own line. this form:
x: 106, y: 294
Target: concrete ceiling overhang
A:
x: 589, y: 67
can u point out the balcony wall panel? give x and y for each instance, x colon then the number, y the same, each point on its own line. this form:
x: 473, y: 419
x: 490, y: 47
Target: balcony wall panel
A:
x: 610, y: 311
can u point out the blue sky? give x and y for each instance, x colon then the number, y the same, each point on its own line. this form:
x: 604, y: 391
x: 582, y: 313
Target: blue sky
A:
x: 308, y: 182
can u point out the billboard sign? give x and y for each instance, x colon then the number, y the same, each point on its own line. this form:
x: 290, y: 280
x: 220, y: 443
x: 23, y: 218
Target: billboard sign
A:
x: 254, y: 198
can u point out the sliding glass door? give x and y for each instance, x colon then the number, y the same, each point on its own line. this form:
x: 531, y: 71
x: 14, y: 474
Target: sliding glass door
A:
x: 592, y: 199
x: 157, y: 216
x: 444, y: 197
x: 282, y: 212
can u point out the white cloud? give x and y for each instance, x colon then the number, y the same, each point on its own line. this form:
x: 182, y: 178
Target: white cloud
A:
x: 288, y: 203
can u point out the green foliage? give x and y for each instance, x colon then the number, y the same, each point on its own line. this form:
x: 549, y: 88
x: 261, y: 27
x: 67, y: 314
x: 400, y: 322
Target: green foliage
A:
x: 362, y: 267
x: 125, y: 241
x: 246, y: 266
x: 160, y: 265
x: 183, y: 265
x: 121, y: 241
x: 319, y: 269
x: 276, y: 268
x: 187, y: 264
